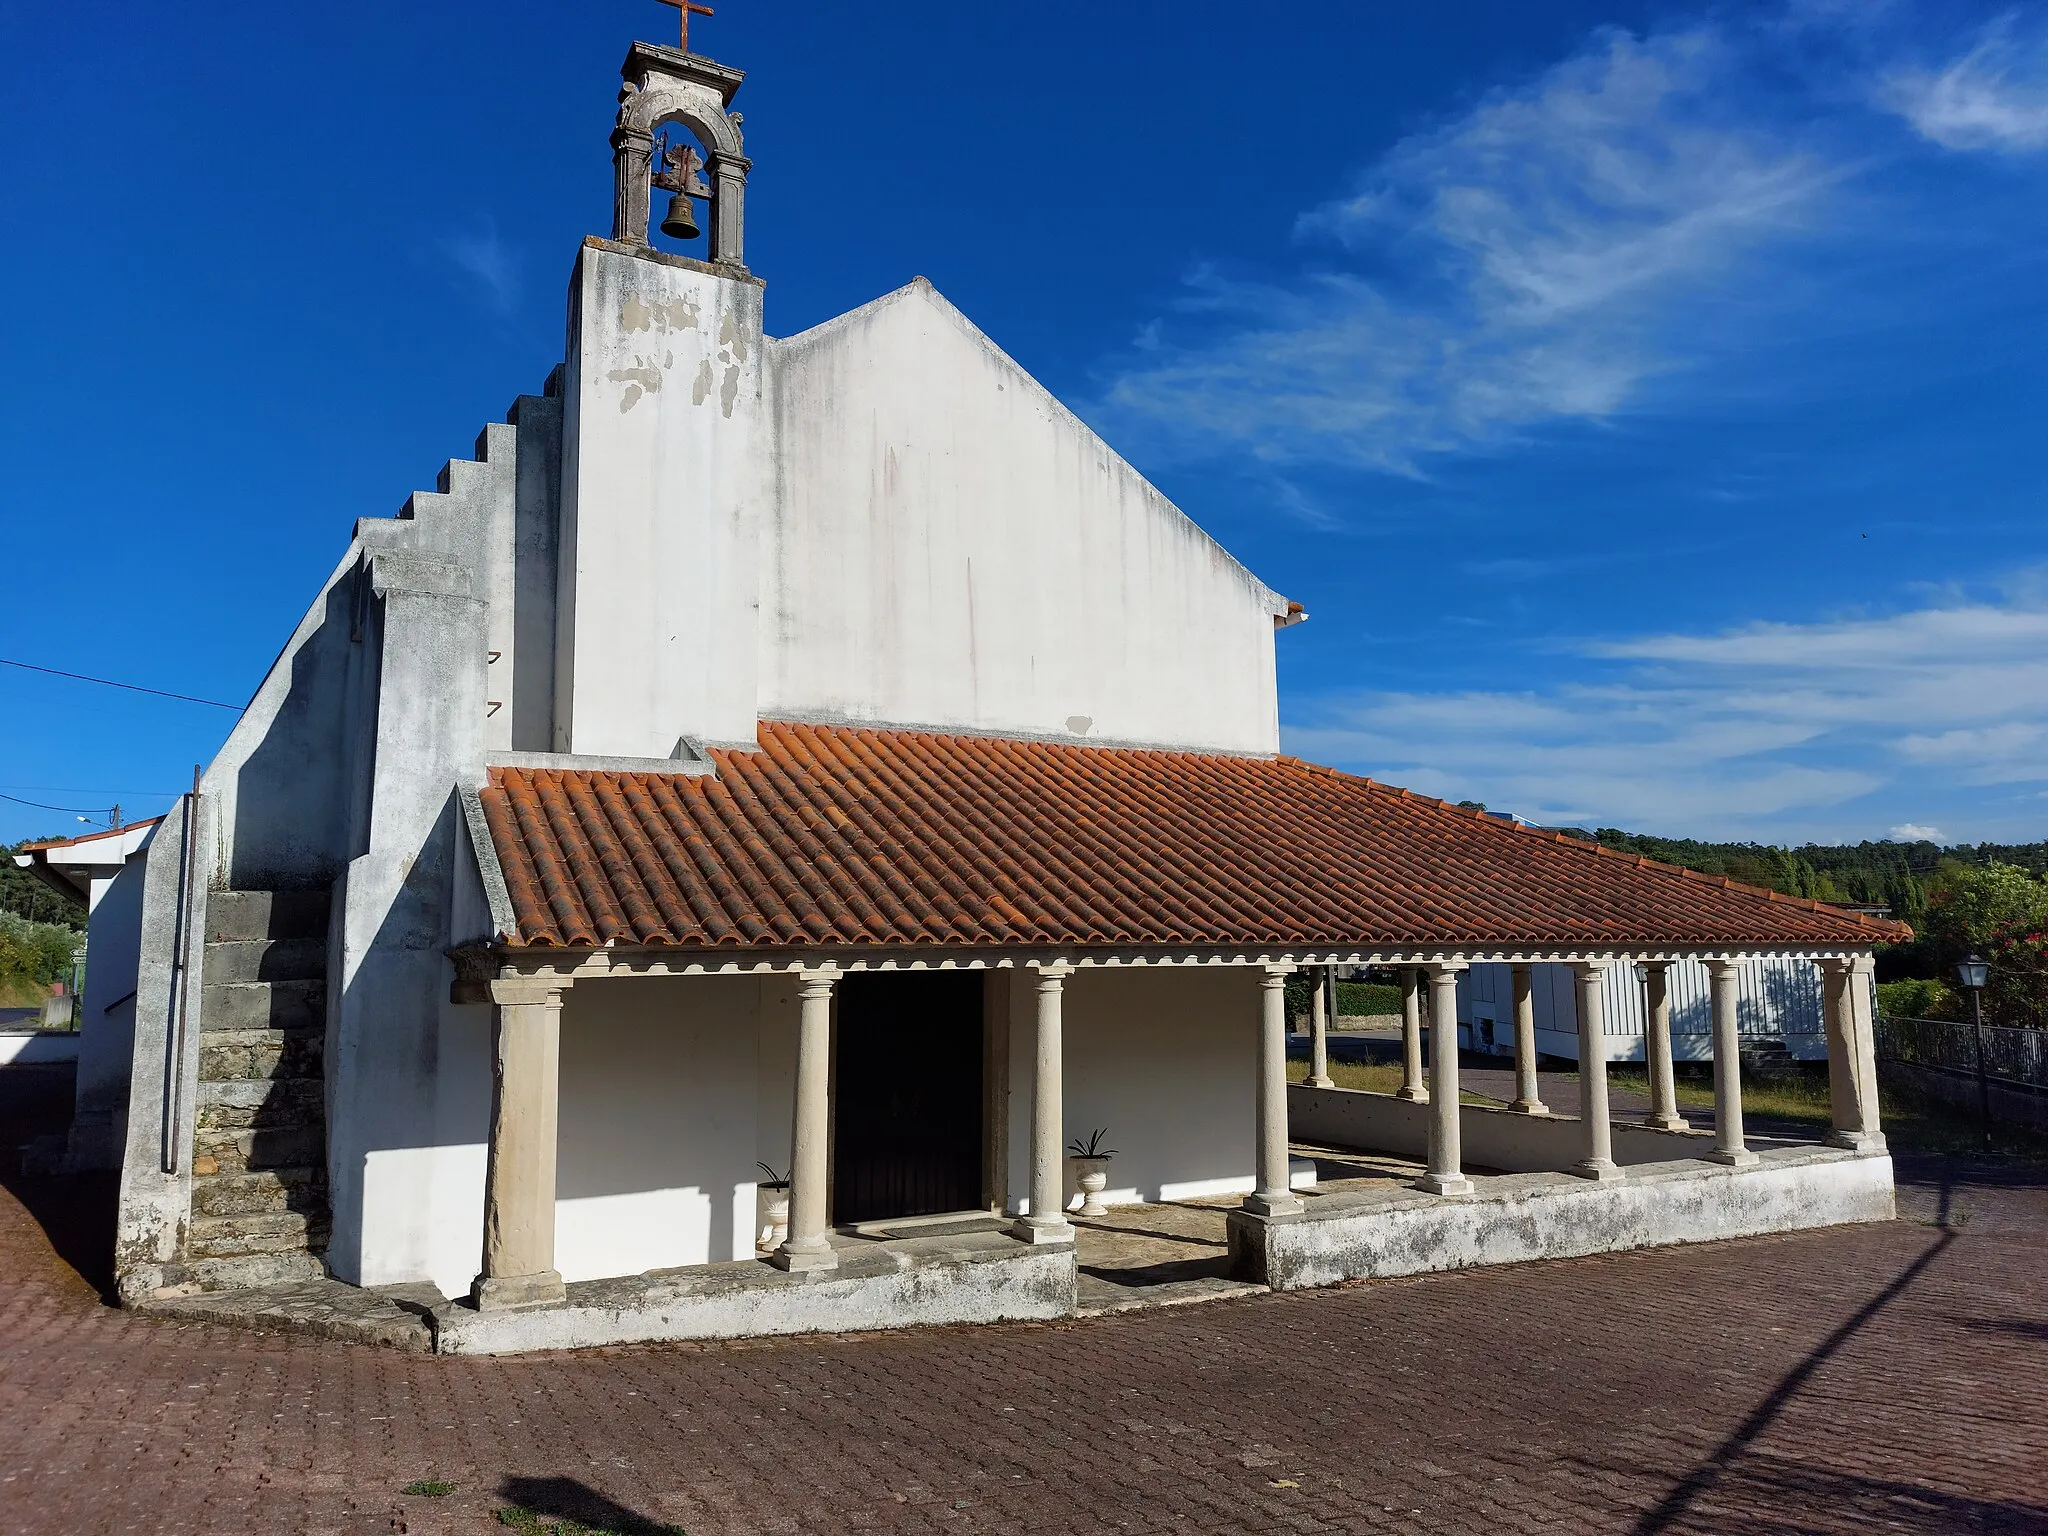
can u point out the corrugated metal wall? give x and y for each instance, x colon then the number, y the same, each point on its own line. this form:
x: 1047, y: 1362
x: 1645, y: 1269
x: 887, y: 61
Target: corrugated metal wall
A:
x: 1780, y: 998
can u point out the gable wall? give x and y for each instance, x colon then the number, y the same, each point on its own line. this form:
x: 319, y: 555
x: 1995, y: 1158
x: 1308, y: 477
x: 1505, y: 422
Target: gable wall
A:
x: 951, y: 547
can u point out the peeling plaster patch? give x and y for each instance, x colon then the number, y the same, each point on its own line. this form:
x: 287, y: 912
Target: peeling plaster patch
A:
x: 637, y: 379
x: 729, y: 336
x: 704, y: 382
x: 1080, y: 725
x: 729, y: 392
x: 680, y: 314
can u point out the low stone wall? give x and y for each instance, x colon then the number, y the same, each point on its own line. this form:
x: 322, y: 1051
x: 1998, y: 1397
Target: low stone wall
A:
x: 1518, y: 1217
x: 979, y: 1278
x: 1492, y: 1138
x: 37, y: 1047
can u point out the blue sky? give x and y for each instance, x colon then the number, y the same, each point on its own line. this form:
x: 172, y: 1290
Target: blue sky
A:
x: 1647, y: 401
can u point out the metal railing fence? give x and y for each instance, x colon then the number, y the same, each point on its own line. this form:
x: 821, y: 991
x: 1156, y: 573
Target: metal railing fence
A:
x: 2010, y: 1055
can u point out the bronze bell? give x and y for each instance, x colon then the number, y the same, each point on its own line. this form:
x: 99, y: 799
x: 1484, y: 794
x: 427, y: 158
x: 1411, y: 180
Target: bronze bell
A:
x: 681, y: 222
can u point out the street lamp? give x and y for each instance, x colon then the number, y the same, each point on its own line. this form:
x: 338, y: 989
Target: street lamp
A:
x: 1975, y: 973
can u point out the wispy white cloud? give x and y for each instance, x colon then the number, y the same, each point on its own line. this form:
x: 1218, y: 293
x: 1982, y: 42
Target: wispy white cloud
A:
x: 1735, y: 733
x: 491, y: 266
x: 1527, y: 260
x: 1993, y: 96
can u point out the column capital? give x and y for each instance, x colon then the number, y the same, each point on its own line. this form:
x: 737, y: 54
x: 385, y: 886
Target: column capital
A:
x: 1722, y: 967
x: 1052, y: 972
x: 818, y: 982
x: 1594, y: 970
x: 517, y: 991
x: 1276, y: 972
x: 1864, y: 964
x: 1438, y: 969
x: 1659, y: 966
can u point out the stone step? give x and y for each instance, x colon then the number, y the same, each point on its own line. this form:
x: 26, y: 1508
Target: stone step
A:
x: 262, y: 1105
x: 264, y: 1269
x: 263, y: 1005
x: 303, y: 1190
x: 231, y: 960
x: 235, y: 1237
x: 266, y: 915
x: 260, y: 1055
x: 219, y: 1150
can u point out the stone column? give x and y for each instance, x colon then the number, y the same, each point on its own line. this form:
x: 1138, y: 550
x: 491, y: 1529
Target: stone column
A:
x: 809, y: 1244
x: 1412, y: 1087
x: 1852, y: 1051
x: 1725, y: 978
x: 1663, y: 1115
x: 728, y: 208
x: 1321, y: 1008
x: 1272, y: 1197
x: 1046, y: 1221
x: 519, y: 1182
x: 632, y: 161
x: 1528, y: 1096
x: 1597, y: 1157
x: 1446, y: 1175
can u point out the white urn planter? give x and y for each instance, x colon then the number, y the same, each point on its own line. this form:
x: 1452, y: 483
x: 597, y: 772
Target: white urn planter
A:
x: 774, y: 1218
x: 1092, y: 1176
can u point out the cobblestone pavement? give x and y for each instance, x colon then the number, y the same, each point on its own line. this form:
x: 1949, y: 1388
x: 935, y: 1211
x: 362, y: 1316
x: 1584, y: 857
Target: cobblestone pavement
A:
x: 1889, y: 1377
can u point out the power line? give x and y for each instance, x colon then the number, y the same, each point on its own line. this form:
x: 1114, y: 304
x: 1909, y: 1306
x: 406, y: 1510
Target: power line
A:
x: 98, y: 810
x: 108, y: 682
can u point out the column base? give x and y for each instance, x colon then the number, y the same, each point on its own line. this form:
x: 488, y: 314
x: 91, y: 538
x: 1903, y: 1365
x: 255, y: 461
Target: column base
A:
x: 1413, y: 1095
x: 806, y: 1258
x: 1601, y: 1170
x: 1667, y: 1123
x: 1042, y: 1231
x: 518, y: 1293
x: 1260, y: 1203
x: 1319, y: 1082
x: 1444, y: 1184
x: 1737, y: 1157
x: 1529, y: 1107
x: 1868, y: 1143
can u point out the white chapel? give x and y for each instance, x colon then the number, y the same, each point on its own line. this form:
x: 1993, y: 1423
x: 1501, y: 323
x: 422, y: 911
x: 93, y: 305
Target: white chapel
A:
x: 697, y: 870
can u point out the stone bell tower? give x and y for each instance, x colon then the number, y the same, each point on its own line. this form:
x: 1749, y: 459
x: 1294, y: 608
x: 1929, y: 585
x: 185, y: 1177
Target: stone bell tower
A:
x: 666, y: 459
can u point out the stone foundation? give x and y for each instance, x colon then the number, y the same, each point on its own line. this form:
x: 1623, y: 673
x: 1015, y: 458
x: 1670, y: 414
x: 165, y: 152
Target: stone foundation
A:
x: 1518, y: 1217
x: 978, y: 1277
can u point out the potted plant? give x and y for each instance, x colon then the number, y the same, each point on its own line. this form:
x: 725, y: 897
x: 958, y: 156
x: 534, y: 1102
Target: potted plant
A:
x: 774, y: 1196
x: 1093, y: 1173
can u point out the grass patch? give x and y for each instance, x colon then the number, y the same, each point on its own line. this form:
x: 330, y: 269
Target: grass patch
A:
x: 1801, y: 1098
x: 1371, y: 1077
x: 525, y: 1520
x: 426, y: 1488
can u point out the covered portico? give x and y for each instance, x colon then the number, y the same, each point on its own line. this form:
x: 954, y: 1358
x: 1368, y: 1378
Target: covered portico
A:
x: 1128, y: 922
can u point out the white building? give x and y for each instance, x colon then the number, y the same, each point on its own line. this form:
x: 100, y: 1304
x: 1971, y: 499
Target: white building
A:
x: 104, y: 870
x: 822, y: 752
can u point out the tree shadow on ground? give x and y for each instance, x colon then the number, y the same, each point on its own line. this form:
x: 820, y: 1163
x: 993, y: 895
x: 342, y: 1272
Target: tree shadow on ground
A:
x: 548, y: 1502
x: 75, y: 1211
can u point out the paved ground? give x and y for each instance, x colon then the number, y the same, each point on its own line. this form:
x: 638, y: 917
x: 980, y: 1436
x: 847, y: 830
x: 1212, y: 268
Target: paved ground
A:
x: 1880, y: 1378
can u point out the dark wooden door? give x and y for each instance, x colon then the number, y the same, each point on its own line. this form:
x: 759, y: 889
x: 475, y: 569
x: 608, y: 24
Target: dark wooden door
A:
x: 907, y: 1105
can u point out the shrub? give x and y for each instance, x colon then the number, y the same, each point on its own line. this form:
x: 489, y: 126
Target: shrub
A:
x: 1918, y: 998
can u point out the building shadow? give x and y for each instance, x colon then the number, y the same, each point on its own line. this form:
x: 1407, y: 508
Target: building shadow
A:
x: 564, y: 1498
x: 1726, y: 1465
x: 75, y: 1211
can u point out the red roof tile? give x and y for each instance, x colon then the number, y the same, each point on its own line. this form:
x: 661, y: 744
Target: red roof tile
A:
x: 840, y: 836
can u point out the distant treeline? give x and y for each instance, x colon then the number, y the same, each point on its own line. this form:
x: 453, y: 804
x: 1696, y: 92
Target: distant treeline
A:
x: 1901, y: 876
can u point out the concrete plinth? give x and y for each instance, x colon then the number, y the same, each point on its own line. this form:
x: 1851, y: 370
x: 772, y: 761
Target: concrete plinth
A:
x: 972, y: 1277
x: 1518, y: 1217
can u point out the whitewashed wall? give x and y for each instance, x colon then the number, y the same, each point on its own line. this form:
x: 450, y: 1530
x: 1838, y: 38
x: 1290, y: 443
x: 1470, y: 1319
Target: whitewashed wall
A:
x: 951, y: 546
x: 1167, y: 1060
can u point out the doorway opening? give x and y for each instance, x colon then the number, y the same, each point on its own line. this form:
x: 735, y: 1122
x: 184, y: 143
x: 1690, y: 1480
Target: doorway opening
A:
x: 907, y: 1107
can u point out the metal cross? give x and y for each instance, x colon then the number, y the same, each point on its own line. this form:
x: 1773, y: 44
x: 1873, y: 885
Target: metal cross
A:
x: 685, y: 7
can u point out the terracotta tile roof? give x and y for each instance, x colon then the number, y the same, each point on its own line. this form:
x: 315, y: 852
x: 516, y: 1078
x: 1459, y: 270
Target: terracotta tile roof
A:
x: 833, y: 835
x: 89, y: 837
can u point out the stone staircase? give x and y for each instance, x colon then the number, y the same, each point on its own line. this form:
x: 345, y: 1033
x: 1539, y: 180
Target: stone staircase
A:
x: 259, y: 1151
